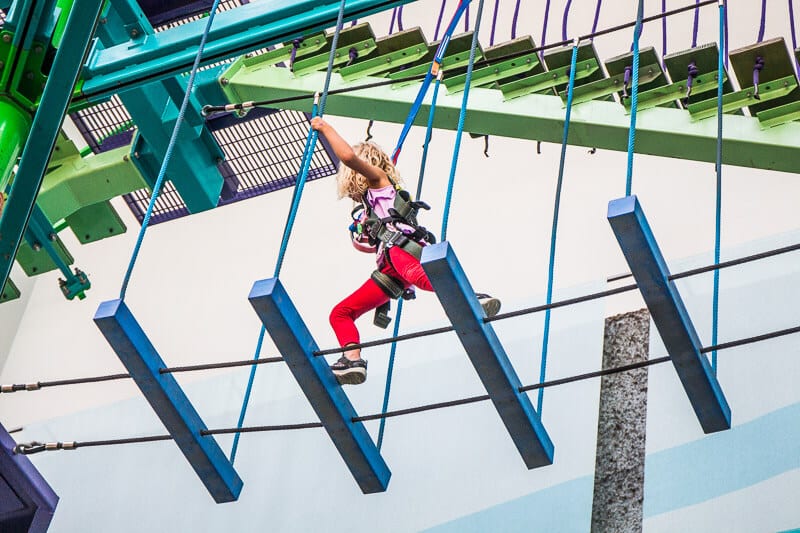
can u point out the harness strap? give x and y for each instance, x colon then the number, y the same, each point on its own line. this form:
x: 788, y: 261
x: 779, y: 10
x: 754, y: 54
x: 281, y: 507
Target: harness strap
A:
x: 392, y: 287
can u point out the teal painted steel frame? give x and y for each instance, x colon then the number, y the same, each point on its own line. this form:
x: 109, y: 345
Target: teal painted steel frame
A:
x: 236, y: 32
x: 290, y: 334
x: 44, y: 129
x: 154, y: 108
x: 168, y: 400
x: 487, y: 355
x: 669, y: 313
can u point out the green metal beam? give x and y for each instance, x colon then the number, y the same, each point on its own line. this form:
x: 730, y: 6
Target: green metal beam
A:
x: 664, y: 132
x: 45, y: 128
x: 83, y: 181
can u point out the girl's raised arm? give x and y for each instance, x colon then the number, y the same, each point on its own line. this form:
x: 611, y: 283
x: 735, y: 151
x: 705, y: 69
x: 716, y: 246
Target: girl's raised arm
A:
x: 376, y: 177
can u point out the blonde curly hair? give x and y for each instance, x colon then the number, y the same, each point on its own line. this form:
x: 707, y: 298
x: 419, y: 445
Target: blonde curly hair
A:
x: 351, y: 184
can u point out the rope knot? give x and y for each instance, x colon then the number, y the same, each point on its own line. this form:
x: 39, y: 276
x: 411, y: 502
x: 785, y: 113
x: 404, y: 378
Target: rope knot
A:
x: 757, y: 68
x: 626, y: 80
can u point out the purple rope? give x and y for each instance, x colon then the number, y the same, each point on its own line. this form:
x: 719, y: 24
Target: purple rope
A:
x: 696, y: 24
x: 400, y: 18
x: 794, y: 37
x: 626, y: 80
x: 514, y: 21
x: 693, y: 71
x: 564, y: 20
x: 494, y: 21
x: 763, y: 20
x: 466, y: 19
x: 757, y: 68
x: 663, y: 33
x: 295, y: 45
x: 391, y: 24
x: 544, y: 26
x: 597, y: 15
x: 439, y: 21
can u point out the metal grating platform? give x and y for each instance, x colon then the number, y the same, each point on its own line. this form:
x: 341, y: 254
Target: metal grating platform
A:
x: 263, y: 150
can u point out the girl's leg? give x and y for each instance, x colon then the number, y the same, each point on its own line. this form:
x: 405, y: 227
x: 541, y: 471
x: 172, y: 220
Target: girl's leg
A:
x: 343, y: 316
x: 409, y: 269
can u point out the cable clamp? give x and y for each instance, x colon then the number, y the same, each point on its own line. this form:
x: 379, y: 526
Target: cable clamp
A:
x: 576, y: 42
x: 440, y: 75
x: 436, y: 67
x: 17, y: 388
x: 316, y: 98
x: 29, y: 448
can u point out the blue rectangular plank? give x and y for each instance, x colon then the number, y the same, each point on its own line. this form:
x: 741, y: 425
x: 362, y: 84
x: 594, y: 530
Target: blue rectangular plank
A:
x: 295, y: 343
x: 669, y: 313
x: 487, y: 355
x: 168, y: 400
x: 27, y: 502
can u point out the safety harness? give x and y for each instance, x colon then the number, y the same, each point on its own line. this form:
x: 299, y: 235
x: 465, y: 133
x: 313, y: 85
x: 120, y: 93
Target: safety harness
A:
x: 381, y: 234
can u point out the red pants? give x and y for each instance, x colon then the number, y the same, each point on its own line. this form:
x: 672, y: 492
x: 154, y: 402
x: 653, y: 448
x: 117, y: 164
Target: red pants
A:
x: 402, y: 266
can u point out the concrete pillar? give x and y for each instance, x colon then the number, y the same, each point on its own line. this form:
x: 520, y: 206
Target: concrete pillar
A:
x: 619, y: 466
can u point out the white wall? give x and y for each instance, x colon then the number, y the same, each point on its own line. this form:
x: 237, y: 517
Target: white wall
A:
x: 189, y: 293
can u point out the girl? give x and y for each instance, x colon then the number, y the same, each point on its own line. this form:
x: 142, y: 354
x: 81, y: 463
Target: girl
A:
x: 388, y: 227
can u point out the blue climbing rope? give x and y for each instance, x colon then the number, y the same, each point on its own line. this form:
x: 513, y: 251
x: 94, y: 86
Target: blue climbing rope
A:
x: 308, y: 153
x: 426, y: 82
x: 553, y: 233
x: 393, y: 350
x: 718, y: 220
x: 461, y: 117
x: 168, y: 154
x: 634, y: 96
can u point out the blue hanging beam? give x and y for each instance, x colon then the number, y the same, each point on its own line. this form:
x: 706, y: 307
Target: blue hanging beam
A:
x: 168, y: 400
x: 487, y: 355
x: 292, y: 338
x: 236, y: 31
x: 27, y: 502
x: 669, y: 314
x: 44, y: 129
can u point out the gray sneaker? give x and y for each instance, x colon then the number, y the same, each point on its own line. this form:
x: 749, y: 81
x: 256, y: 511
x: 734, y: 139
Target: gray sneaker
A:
x: 491, y: 306
x: 349, y: 372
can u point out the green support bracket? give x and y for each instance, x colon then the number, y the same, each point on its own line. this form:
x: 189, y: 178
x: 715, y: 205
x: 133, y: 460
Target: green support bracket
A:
x: 493, y: 72
x: 777, y: 64
x: 75, y: 182
x: 10, y: 292
x: 359, y: 37
x: 772, y: 90
x: 95, y: 222
x: 28, y: 79
x: 456, y: 56
x: 548, y: 80
x: 647, y: 56
x: 779, y: 115
x: 602, y: 88
x: 392, y: 52
x: 674, y: 92
x: 35, y: 260
x: 304, y: 46
x: 556, y: 58
x: 7, y: 54
x: 703, y: 59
